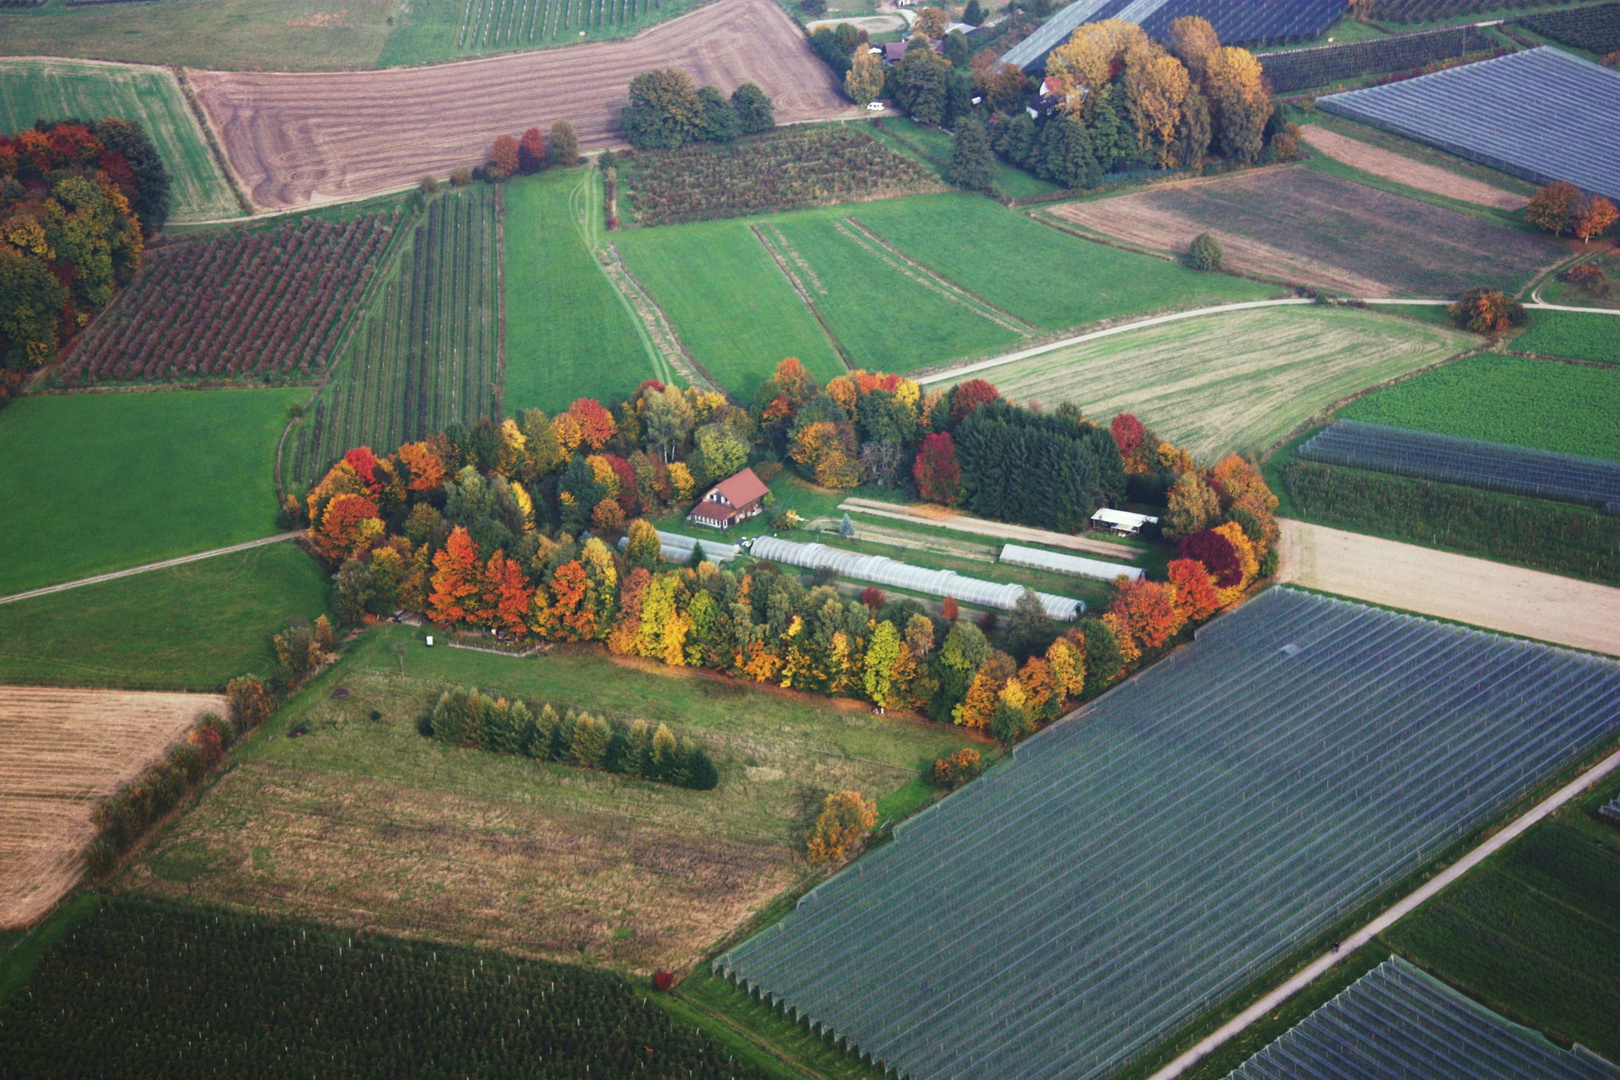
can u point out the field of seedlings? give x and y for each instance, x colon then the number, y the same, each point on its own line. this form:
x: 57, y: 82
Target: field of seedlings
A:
x: 242, y: 305
x: 1595, y: 29
x: 1292, y: 70
x: 1565, y: 408
x: 65, y: 749
x: 37, y: 89
x: 787, y: 169
x: 1572, y: 334
x: 1076, y: 924
x: 428, y: 352
x: 1300, y: 225
x: 148, y: 989
x: 1235, y: 381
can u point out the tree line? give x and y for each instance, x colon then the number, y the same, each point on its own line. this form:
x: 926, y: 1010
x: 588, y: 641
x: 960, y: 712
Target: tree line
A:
x: 667, y: 110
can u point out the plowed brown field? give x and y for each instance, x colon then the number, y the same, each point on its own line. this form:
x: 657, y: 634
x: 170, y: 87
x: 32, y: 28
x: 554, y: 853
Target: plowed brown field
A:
x: 313, y: 137
x: 60, y: 751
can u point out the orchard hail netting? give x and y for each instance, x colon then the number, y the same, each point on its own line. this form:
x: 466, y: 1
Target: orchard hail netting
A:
x: 1136, y: 863
x: 1235, y: 21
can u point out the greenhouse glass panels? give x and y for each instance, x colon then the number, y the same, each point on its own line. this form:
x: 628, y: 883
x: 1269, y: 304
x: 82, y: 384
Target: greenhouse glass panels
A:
x: 1134, y: 864
x: 1017, y: 555
x: 678, y: 549
x: 1397, y: 1021
x: 1498, y: 466
x: 1235, y: 21
x: 880, y: 570
x: 1541, y: 114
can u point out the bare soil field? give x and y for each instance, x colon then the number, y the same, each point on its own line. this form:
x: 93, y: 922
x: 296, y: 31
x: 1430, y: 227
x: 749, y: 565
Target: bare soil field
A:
x: 65, y: 749
x: 1474, y: 591
x: 1298, y: 225
x: 304, y: 138
x: 1403, y: 170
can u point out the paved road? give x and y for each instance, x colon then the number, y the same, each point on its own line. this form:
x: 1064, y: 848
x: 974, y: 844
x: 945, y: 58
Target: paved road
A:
x: 1271, y: 1001
x: 181, y: 561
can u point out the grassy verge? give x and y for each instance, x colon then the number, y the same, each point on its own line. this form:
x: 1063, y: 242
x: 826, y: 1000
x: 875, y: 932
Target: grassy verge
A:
x: 21, y: 954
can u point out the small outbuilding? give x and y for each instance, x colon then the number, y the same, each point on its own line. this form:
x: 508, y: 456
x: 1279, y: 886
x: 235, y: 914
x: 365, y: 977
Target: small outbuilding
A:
x: 733, y: 500
x: 1122, y: 522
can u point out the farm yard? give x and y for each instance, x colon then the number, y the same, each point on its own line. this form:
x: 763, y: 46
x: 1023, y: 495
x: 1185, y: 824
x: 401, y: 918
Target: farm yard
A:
x: 39, y: 89
x: 427, y: 353
x: 65, y: 749
x: 1297, y: 833
x: 1298, y: 224
x: 569, y: 334
x: 1235, y: 381
x: 178, y: 471
x: 190, y: 627
x: 1408, y: 171
x: 299, y: 139
x: 425, y: 839
x: 240, y: 305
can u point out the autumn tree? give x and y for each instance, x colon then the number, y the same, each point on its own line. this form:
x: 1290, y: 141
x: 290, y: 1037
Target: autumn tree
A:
x: 1148, y: 607
x: 967, y: 396
x: 250, y: 703
x: 562, y: 147
x: 846, y: 817
x: 1090, y: 59
x: 1191, y: 506
x: 643, y: 548
x: 864, y: 81
x: 936, y: 471
x: 881, y: 653
x: 1128, y: 433
x: 1487, y: 311
x: 504, y: 157
x: 931, y: 23
x: 1192, y: 40
x: 664, y: 110
x: 973, y: 163
x: 455, y: 581
x: 956, y: 769
x: 1553, y: 207
x: 532, y: 151
x: 1192, y: 591
x: 922, y: 83
x: 755, y: 113
x: 1156, y: 84
x: 1239, y: 101
x: 353, y: 588
x: 1593, y: 218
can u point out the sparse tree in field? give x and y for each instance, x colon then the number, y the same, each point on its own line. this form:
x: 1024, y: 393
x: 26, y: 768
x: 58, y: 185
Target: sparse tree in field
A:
x: 931, y: 23
x: 532, y: 151
x: 864, y: 82
x: 973, y: 163
x: 664, y: 110
x: 719, y: 122
x: 427, y: 185
x: 1487, y: 311
x: 503, y: 157
x: 1205, y: 253
x: 1239, y: 101
x: 1192, y: 40
x: 846, y: 817
x: 1594, y: 217
x: 1553, y: 207
x: 957, y: 769
x: 562, y: 147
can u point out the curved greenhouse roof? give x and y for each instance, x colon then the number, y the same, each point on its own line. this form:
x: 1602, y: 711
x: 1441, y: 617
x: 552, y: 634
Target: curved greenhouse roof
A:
x: 1018, y: 555
x: 677, y: 548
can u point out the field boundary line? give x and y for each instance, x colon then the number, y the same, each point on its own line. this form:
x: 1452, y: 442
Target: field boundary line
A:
x: 500, y: 301
x: 804, y: 294
x: 972, y: 299
x: 865, y: 241
x: 215, y: 141
x: 1390, y: 916
x: 163, y: 565
x: 652, y: 320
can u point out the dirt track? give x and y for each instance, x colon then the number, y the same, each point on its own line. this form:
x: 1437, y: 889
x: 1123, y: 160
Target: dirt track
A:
x: 303, y: 138
x: 1403, y: 170
x: 1475, y: 591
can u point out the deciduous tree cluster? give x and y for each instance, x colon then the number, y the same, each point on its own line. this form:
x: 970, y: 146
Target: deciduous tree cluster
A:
x: 667, y: 110
x: 533, y: 152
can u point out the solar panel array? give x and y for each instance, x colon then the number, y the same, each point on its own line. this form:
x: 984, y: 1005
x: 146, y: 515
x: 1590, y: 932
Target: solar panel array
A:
x: 1397, y: 1021
x: 881, y: 570
x: 1498, y: 466
x: 1018, y: 555
x: 1134, y: 864
x: 1542, y: 114
x: 1235, y: 21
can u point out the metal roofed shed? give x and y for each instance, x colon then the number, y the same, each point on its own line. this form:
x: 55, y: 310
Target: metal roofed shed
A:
x: 882, y: 570
x: 1017, y: 555
x: 678, y: 549
x: 1122, y: 522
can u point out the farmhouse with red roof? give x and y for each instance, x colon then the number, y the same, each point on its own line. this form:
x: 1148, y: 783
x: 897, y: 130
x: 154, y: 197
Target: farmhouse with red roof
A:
x: 734, y: 499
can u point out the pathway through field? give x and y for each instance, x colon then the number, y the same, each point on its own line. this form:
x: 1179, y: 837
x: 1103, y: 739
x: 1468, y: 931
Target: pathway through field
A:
x: 181, y: 561
x: 1492, y: 595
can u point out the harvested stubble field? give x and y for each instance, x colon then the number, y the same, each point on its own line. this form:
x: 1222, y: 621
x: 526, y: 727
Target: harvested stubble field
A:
x: 1298, y: 224
x: 1235, y: 381
x: 244, y: 304
x: 1404, y: 170
x: 428, y: 352
x: 302, y: 138
x: 65, y: 749
x: 38, y: 89
x: 365, y: 822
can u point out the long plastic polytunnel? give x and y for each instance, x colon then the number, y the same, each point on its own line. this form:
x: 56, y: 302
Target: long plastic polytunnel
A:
x: 1018, y: 555
x: 881, y: 570
x: 678, y: 549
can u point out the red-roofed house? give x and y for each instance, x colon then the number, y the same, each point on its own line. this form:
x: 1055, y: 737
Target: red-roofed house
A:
x: 732, y: 500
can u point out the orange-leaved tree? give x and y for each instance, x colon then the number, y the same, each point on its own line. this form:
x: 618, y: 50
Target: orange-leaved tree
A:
x: 455, y: 584
x: 426, y: 468
x: 1553, y: 207
x: 1487, y: 311
x: 532, y: 151
x: 504, y: 157
x: 1192, y: 591
x: 846, y: 817
x: 1594, y: 218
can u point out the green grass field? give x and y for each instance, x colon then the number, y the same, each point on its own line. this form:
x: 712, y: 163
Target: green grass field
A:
x: 1567, y: 408
x: 1038, y: 273
x: 190, y: 627
x: 1535, y: 932
x: 933, y: 147
x: 538, y: 858
x: 569, y: 334
x: 58, y: 89
x: 1230, y: 382
x: 103, y: 481
x: 1572, y: 334
x: 734, y: 310
x: 427, y: 30
x: 427, y: 353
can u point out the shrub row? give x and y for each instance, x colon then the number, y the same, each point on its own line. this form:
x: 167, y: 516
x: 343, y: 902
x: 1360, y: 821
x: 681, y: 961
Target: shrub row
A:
x: 1548, y: 536
x: 1595, y: 29
x: 1302, y: 69
x: 1417, y: 11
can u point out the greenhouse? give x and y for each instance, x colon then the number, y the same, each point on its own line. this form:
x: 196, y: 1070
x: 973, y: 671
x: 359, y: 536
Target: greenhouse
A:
x: 1399, y: 1021
x: 678, y: 549
x: 1498, y: 466
x: 1017, y: 555
x: 881, y: 570
x: 1132, y: 866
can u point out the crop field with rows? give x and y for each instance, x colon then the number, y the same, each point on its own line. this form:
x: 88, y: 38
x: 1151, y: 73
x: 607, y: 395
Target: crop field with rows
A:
x: 427, y: 353
x: 441, y: 29
x: 151, y: 989
x: 1565, y: 408
x: 1300, y: 69
x: 38, y: 89
x: 1572, y: 334
x: 1595, y: 29
x: 787, y: 169
x: 1420, y: 11
x: 1325, y: 750
x: 242, y: 305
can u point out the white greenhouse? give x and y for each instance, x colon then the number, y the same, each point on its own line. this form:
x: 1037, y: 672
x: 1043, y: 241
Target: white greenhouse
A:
x: 1017, y: 555
x: 678, y: 548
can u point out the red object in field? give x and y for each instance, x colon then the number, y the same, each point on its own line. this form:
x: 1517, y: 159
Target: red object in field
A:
x: 663, y: 981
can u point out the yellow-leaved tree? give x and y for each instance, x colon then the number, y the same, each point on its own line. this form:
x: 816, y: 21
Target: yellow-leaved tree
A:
x: 846, y: 817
